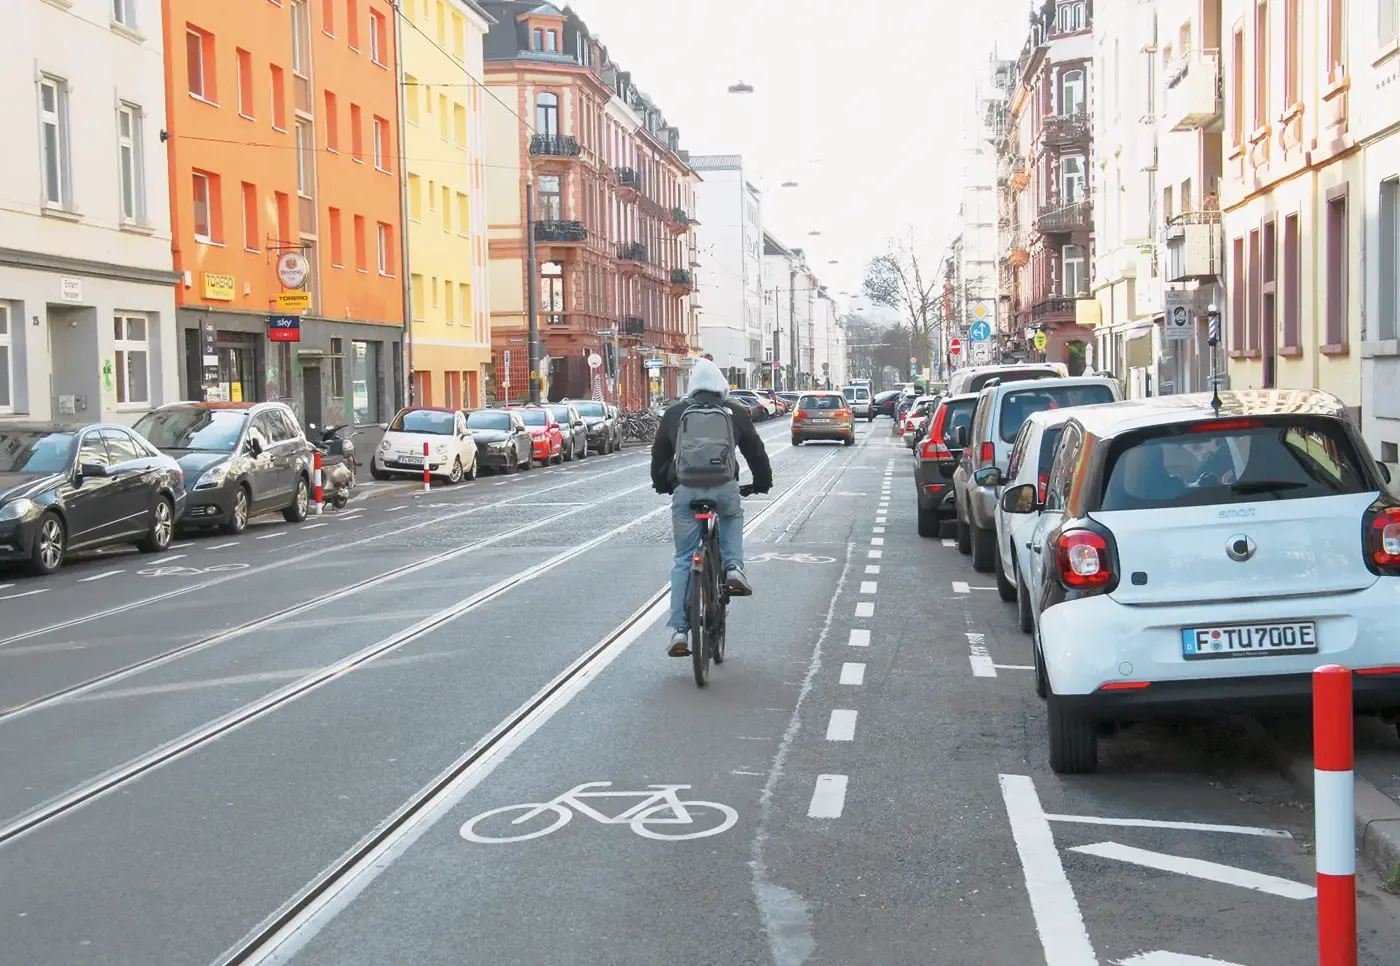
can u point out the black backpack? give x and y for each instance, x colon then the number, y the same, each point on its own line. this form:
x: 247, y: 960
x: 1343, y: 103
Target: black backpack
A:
x: 705, y: 445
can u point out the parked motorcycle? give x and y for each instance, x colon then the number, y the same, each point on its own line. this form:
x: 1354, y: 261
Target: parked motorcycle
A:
x: 337, y: 465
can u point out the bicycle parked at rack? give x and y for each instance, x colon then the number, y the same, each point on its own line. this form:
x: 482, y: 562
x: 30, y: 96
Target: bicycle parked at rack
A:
x: 709, y: 594
x: 640, y: 426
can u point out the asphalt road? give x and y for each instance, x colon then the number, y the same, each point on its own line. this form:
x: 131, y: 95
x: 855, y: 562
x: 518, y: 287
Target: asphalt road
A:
x: 312, y: 744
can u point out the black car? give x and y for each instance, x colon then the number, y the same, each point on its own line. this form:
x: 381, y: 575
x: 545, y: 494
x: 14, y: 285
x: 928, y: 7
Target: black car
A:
x: 936, y: 458
x: 604, y: 428
x: 573, y: 427
x: 239, y: 460
x: 503, y: 441
x: 77, y: 488
x: 886, y: 403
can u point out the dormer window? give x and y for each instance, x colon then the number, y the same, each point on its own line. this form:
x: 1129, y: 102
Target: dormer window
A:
x: 1069, y: 17
x: 537, y: 39
x: 551, y: 41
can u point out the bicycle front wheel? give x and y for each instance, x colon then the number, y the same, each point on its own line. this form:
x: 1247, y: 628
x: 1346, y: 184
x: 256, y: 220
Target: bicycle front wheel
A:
x: 700, y: 618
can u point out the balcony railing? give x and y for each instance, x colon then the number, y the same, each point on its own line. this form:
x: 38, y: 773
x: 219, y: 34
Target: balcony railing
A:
x: 628, y: 179
x: 561, y: 232
x: 680, y: 220
x: 1062, y: 129
x: 1057, y: 219
x: 1193, y: 244
x: 1054, y: 308
x: 555, y: 146
x: 681, y: 281
x: 633, y: 251
x: 1194, y: 97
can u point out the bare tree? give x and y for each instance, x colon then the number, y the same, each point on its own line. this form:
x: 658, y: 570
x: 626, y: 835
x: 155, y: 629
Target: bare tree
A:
x: 898, y: 280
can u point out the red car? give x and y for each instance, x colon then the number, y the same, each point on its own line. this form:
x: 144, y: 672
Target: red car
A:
x: 545, y: 432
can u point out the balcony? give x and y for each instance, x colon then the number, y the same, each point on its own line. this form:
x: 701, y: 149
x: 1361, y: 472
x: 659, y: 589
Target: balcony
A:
x: 634, y: 326
x: 1063, y: 130
x: 680, y: 221
x: 1193, y: 100
x: 1193, y: 247
x: 682, y: 282
x: 631, y: 256
x: 1062, y: 219
x: 1054, y: 308
x: 554, y: 146
x: 561, y: 232
x: 629, y: 184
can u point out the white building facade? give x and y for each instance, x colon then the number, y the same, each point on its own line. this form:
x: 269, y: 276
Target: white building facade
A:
x: 87, y: 294
x: 979, y: 226
x: 729, y: 239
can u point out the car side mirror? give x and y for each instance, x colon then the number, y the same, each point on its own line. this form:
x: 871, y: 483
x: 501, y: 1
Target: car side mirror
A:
x: 92, y: 470
x: 988, y: 476
x: 1020, y: 499
x: 1385, y: 471
x: 960, y: 437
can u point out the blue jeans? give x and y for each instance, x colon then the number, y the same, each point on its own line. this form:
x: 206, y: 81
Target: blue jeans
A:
x: 685, y: 531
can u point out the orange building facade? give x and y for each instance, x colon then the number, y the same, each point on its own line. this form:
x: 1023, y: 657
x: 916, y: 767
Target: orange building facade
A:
x: 283, y: 141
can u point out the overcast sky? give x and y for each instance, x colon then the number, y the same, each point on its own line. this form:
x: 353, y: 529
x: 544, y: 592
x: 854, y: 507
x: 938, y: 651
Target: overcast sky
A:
x: 864, y: 105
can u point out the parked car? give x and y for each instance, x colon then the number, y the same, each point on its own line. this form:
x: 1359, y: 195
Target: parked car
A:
x: 885, y: 403
x: 573, y: 427
x: 783, y: 406
x: 602, y: 425
x: 240, y: 460
x: 790, y: 398
x: 503, y: 441
x: 545, y: 432
x: 974, y: 378
x: 859, y: 401
x: 916, y: 417
x: 756, y: 410
x: 936, y: 458
x: 1001, y: 409
x: 823, y: 415
x: 451, y: 450
x: 64, y: 489
x: 1213, y: 559
x: 766, y: 407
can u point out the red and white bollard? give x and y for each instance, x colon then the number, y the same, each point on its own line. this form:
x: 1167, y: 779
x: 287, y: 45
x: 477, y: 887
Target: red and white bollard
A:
x: 427, y: 480
x: 317, y: 503
x: 1334, y: 816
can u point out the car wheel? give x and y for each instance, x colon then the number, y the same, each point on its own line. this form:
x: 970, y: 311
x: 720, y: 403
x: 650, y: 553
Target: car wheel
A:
x: 964, y: 537
x: 1005, y: 588
x: 796, y: 441
x: 583, y: 454
x: 162, y: 528
x: 475, y: 468
x: 1042, y: 683
x: 947, y: 529
x: 928, y: 522
x: 566, y: 453
x: 376, y: 472
x: 1074, y: 741
x: 238, y: 518
x: 849, y: 440
x: 301, y: 503
x: 1025, y: 617
x: 984, y: 550
x: 454, y: 475
x: 50, y: 545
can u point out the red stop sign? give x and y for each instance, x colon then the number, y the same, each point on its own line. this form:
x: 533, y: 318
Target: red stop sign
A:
x: 955, y: 346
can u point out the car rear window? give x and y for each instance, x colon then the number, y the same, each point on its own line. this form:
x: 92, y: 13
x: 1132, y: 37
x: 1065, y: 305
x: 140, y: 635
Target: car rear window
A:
x: 1012, y: 375
x: 1049, y: 441
x: 1017, y: 406
x: 821, y: 402
x: 959, y: 414
x: 1233, y: 461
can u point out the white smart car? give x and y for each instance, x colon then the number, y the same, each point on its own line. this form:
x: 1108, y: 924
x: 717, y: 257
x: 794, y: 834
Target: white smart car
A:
x: 1186, y: 560
x: 451, y: 450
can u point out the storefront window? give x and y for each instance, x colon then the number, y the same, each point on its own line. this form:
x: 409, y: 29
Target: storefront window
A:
x: 365, y: 381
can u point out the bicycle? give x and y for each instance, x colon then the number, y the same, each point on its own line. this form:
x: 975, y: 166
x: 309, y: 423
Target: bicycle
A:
x: 709, y: 592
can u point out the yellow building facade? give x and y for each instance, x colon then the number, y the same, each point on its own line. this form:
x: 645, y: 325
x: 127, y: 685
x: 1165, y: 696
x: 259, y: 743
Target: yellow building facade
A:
x: 444, y: 157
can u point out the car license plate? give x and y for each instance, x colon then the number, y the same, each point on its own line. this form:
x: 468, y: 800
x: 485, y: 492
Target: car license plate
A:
x: 814, y: 421
x: 1249, y: 640
x: 411, y: 460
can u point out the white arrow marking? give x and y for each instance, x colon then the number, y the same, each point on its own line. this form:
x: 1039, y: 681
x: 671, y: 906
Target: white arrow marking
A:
x: 1201, y: 869
x: 1163, y: 958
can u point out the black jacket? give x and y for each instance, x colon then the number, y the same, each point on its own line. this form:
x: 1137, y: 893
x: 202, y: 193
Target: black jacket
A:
x: 663, y: 451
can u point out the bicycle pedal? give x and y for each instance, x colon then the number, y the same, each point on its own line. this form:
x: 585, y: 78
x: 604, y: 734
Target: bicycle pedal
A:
x: 679, y: 651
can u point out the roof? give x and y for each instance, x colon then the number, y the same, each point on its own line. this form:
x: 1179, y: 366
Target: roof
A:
x: 1031, y: 385
x: 716, y: 162
x: 428, y: 409
x: 1113, y: 419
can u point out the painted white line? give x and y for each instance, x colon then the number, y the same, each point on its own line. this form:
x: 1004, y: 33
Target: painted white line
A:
x: 1058, y: 920
x: 223, y: 546
x: 852, y: 673
x: 859, y: 637
x: 877, y: 541
x: 865, y: 608
x: 1200, y: 869
x: 269, y: 536
x: 173, y: 556
x: 872, y: 568
x: 27, y: 593
x: 311, y: 526
x: 982, y: 666
x: 396, y: 509
x: 875, y: 554
x: 502, y: 482
x: 1163, y: 958
x: 6, y: 586
x: 1013, y: 667
x: 879, y: 530
x: 950, y: 543
x: 180, y: 546
x: 829, y: 797
x: 961, y: 587
x: 354, y: 515
x: 841, y: 726
x: 110, y: 573
x: 1268, y: 833
x: 867, y: 586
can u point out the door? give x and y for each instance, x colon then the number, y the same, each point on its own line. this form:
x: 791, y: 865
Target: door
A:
x: 129, y: 484
x: 285, y: 446
x: 194, y: 371
x: 311, y: 397
x: 263, y: 478
x: 1038, y: 562
x: 91, y: 512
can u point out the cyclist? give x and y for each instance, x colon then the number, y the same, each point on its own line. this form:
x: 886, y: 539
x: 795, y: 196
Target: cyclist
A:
x: 708, y: 387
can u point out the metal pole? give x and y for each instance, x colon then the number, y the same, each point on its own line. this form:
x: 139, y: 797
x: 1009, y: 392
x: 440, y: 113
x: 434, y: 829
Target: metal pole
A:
x: 792, y: 325
x: 407, y: 288
x: 532, y: 285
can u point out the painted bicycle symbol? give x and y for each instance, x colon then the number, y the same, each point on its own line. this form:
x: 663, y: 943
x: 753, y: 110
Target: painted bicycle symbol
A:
x: 191, y: 571
x: 805, y: 558
x: 660, y: 815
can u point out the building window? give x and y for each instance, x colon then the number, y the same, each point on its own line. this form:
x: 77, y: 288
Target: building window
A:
x: 449, y: 302
x: 463, y: 214
x: 7, y: 374
x: 381, y: 144
x: 337, y: 250
x: 1072, y: 182
x: 1261, y: 64
x: 552, y: 292
x: 301, y: 39
x: 459, y: 127
x: 1252, y: 310
x: 551, y: 41
x: 1389, y: 260
x: 279, y: 99
x: 444, y: 118
x: 1388, y: 24
x: 130, y: 163
x: 360, y: 261
x: 1268, y: 301
x: 53, y: 119
x: 1337, y: 280
x: 332, y: 124
x: 1237, y: 83
x: 386, y: 250
x: 132, y: 351
x: 337, y: 369
x: 446, y: 208
x: 1070, y: 17
x: 1072, y: 93
x: 205, y: 203
x: 378, y: 37
x: 124, y: 13
x: 328, y: 17
x: 537, y: 39
x: 1291, y: 64
x: 1292, y: 282
x: 250, y: 217
x: 245, y: 83
x: 550, y: 201
x: 1074, y: 283
x: 411, y: 96
x: 1237, y: 300
x: 415, y: 197
x: 284, y: 218
x: 357, y: 134
x: 1336, y: 41
x: 305, y: 146
x: 199, y: 63
x: 547, y: 114
x: 352, y: 23
x: 415, y: 288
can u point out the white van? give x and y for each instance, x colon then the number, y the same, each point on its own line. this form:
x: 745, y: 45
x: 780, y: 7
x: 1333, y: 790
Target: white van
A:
x: 858, y: 398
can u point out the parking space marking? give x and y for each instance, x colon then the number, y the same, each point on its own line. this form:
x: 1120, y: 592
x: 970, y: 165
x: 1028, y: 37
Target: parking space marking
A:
x: 312, y: 526
x: 949, y: 543
x: 879, y: 530
x: 269, y: 536
x: 27, y: 593
x: 841, y: 726
x: 865, y: 608
x: 868, y: 586
x: 223, y: 546
x: 852, y: 673
x: 1161, y: 958
x: 877, y: 541
x: 875, y: 554
x: 180, y: 546
x: 872, y: 568
x: 961, y: 587
x: 829, y: 797
x: 1273, y: 833
x: 1200, y: 869
x: 101, y: 576
x: 859, y: 638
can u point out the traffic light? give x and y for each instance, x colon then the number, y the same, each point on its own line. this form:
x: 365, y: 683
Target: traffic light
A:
x: 610, y: 360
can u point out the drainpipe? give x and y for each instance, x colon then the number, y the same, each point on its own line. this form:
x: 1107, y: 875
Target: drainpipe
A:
x: 407, y: 287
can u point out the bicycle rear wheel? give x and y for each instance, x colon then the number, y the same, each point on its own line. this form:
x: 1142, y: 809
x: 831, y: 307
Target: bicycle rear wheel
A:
x: 720, y: 610
x: 700, y: 619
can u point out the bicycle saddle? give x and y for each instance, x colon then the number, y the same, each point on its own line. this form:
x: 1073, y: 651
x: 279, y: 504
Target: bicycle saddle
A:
x: 703, y: 506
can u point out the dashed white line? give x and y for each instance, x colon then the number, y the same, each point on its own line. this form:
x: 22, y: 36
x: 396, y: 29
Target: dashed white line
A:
x: 879, y: 530
x: 6, y: 586
x: 269, y: 536
x: 103, y: 576
x: 872, y: 568
x: 877, y: 541
x: 1014, y: 667
x: 27, y: 593
x: 396, y: 509
x: 223, y: 546
x: 859, y: 637
x: 180, y: 546
x: 313, y: 526
x: 852, y: 673
x: 841, y: 726
x: 865, y: 608
x: 867, y: 586
x: 829, y: 797
x: 875, y: 554
x: 173, y: 556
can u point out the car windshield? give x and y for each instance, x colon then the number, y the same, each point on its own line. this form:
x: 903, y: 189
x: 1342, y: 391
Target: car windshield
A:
x: 591, y: 409
x: 1017, y: 406
x: 534, y: 417
x: 1013, y: 375
x: 825, y: 403
x: 487, y: 419
x: 194, y: 428
x: 1232, y: 461
x: 959, y: 414
x: 429, y: 422
x: 35, y: 451
x: 560, y: 413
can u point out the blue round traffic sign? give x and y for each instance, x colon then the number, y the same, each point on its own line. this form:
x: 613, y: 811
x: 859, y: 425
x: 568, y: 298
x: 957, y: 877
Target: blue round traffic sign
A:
x: 979, y: 332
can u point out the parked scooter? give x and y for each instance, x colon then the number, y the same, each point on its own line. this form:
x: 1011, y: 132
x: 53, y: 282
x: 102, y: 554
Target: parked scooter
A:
x: 337, y: 465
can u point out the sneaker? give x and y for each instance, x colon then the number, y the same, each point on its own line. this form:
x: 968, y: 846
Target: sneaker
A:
x: 680, y: 644
x: 737, y: 583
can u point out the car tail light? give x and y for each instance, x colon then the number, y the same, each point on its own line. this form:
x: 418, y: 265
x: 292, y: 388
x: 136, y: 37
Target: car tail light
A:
x: 933, y: 449
x: 1042, y: 484
x: 800, y: 414
x: 841, y: 413
x: 1225, y: 425
x: 1382, y: 540
x: 988, y: 454
x: 1083, y: 559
